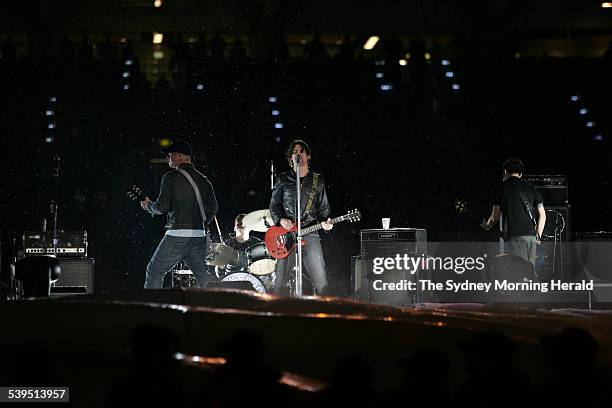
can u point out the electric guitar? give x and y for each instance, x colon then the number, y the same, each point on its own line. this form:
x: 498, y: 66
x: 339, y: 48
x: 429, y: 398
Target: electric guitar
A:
x: 280, y: 242
x: 461, y: 206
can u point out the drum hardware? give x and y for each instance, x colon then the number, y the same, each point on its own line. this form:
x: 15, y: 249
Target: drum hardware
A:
x: 258, y: 221
x: 221, y: 255
x: 246, y: 277
x: 181, y: 277
x: 259, y: 260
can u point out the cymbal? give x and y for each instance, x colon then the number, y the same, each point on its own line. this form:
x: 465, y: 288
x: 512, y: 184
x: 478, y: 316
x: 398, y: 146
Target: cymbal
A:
x: 221, y: 255
x: 259, y: 221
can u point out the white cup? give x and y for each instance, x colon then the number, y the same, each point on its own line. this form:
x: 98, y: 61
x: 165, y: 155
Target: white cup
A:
x: 386, y: 222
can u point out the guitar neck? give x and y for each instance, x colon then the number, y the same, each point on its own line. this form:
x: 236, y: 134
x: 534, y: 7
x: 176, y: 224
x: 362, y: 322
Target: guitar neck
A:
x: 319, y: 225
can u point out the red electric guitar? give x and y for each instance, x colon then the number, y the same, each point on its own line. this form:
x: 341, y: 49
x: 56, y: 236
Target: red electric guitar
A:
x: 281, y: 242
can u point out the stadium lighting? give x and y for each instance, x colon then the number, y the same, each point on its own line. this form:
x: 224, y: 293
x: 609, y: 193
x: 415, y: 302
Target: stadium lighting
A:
x: 371, y: 43
x: 158, y: 38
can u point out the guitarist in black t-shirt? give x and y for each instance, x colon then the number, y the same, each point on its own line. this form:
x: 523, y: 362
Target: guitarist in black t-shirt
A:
x: 521, y: 209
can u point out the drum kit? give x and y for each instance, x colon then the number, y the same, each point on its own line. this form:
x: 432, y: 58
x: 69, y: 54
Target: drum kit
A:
x: 260, y: 264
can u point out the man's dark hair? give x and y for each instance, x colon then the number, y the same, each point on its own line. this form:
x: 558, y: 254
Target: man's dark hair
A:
x: 238, y: 219
x: 292, y: 147
x: 514, y: 165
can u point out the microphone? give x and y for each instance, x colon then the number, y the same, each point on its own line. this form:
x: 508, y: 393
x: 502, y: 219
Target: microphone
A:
x: 296, y: 161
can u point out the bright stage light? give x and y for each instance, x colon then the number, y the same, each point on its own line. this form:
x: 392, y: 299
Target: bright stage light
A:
x: 456, y: 87
x: 278, y: 125
x: 158, y: 38
x: 403, y: 62
x: 157, y: 3
x: 272, y: 99
x: 606, y: 4
x: 371, y: 42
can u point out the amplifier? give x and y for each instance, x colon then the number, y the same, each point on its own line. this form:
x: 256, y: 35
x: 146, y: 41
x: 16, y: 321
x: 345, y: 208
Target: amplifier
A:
x: 77, y: 274
x: 70, y: 243
x: 376, y: 243
x: 553, y: 188
x: 389, y: 242
x: 594, y: 236
x: 556, y: 241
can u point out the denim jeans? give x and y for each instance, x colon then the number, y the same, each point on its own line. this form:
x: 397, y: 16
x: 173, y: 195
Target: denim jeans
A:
x: 169, y: 252
x: 313, y: 262
x: 523, y: 246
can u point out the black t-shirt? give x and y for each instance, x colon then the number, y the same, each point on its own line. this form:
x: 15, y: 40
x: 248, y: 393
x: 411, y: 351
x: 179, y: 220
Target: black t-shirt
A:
x: 515, y: 218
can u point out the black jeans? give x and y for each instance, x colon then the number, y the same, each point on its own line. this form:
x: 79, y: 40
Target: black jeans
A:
x: 169, y: 252
x: 313, y: 262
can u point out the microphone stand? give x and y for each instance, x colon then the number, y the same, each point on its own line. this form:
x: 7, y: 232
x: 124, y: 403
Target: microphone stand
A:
x: 54, y: 207
x: 298, y: 205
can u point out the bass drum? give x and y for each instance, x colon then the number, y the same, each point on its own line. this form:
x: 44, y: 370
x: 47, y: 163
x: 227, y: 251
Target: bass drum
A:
x: 246, y: 277
x: 260, y: 261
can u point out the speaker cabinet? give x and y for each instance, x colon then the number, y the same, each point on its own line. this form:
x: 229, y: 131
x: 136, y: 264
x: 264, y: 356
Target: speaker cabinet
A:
x: 77, y: 276
x: 381, y: 243
x: 556, y: 241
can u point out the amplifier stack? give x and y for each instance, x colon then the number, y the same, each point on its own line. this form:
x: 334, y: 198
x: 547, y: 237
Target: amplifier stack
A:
x: 558, y: 228
x: 77, y: 270
x: 387, y: 243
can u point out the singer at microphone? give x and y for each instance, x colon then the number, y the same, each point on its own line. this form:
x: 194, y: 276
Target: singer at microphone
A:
x: 314, y: 209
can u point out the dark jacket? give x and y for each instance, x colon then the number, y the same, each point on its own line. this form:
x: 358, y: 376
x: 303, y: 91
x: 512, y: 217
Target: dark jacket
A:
x: 177, y: 198
x: 282, y: 204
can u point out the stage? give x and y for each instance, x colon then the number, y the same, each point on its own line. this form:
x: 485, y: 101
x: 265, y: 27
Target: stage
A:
x: 305, y: 338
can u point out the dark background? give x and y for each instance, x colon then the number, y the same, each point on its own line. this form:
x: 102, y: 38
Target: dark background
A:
x: 392, y: 140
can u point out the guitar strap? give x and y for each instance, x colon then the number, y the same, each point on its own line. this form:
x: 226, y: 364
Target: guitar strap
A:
x: 315, y: 180
x: 197, y: 194
x: 527, y: 208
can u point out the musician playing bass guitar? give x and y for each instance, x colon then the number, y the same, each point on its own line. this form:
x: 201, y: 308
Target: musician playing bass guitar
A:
x: 522, y: 211
x: 314, y: 208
